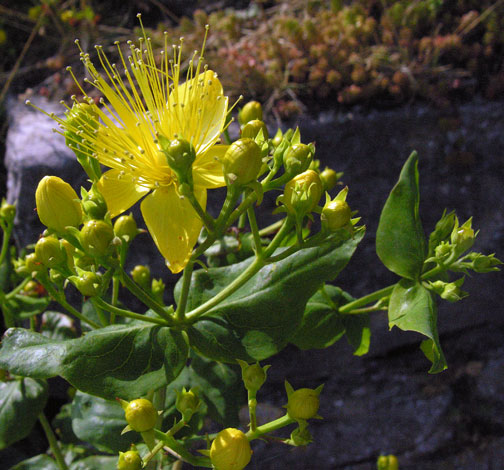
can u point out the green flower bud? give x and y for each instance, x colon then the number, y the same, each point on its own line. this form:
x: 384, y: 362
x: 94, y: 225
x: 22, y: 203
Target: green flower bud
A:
x: 57, y: 278
x: 297, y: 159
x: 303, y: 403
x: 96, y: 237
x: 252, y: 128
x: 83, y: 261
x: 443, y: 251
x: 253, y: 375
x: 252, y: 110
x: 230, y: 450
x: 32, y: 264
x: 142, y: 276
x: 94, y: 204
x: 301, y: 436
x: 302, y: 193
x: 125, y: 227
x: 187, y: 403
x: 449, y: 291
x: 329, y: 178
x: 180, y: 155
x: 157, y: 289
x: 387, y: 462
x: 483, y: 264
x: 140, y: 415
x: 242, y: 162
x: 58, y: 206
x: 462, y: 237
x: 87, y: 283
x: 50, y: 252
x: 336, y: 213
x: 7, y: 212
x: 129, y: 460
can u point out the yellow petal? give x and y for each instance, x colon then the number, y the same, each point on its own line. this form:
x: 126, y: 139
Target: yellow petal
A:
x: 207, y: 169
x: 201, y: 110
x: 173, y: 224
x: 120, y: 191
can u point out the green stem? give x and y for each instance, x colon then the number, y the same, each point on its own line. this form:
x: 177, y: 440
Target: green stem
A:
x: 255, y: 231
x: 53, y: 443
x: 127, y: 313
x: 60, y: 298
x: 184, y: 293
x: 270, y: 228
x: 5, y: 242
x: 270, y: 427
x: 145, y: 298
x: 99, y: 311
x: 18, y: 288
x: 115, y: 296
x: 280, y: 235
x: 253, y: 268
x: 206, y: 218
x: 252, y: 405
x: 181, y: 452
x: 8, y: 318
x: 153, y: 453
x: 367, y: 299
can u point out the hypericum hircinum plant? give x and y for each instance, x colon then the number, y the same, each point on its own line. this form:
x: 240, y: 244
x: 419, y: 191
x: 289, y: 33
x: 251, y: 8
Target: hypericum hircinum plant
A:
x: 146, y: 380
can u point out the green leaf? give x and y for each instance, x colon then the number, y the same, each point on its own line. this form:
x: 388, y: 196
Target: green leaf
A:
x: 39, y: 462
x: 400, y: 240
x: 95, y: 462
x: 256, y: 321
x: 23, y: 306
x: 322, y: 326
x: 442, y: 232
x: 100, y: 422
x: 21, y: 401
x: 125, y: 361
x: 218, y: 385
x: 412, y: 308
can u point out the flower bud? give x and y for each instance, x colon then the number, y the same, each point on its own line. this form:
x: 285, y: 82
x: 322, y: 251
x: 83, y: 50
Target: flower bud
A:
x: 94, y: 204
x: 336, y: 213
x: 253, y: 375
x: 58, y: 206
x: 297, y: 159
x: 303, y: 403
x: 32, y: 289
x: 387, y: 462
x: 463, y: 237
x: 157, y: 289
x: 140, y: 415
x: 443, y: 251
x: 242, y: 162
x: 180, y: 155
x: 302, y: 193
x: 483, y: 264
x: 449, y: 291
x: 125, y: 227
x: 301, y: 436
x: 7, y: 212
x: 129, y: 460
x: 187, y: 403
x: 142, y: 276
x: 50, y: 252
x: 252, y: 128
x: 230, y: 450
x: 87, y: 283
x: 96, y: 237
x: 329, y: 178
x: 32, y: 264
x: 252, y: 110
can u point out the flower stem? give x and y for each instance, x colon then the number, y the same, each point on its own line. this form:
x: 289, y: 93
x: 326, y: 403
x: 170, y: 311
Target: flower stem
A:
x: 53, y: 443
x: 255, y: 231
x: 184, y: 293
x: 126, y: 313
x: 367, y: 299
x: 252, y: 405
x: 270, y: 427
x: 253, y: 268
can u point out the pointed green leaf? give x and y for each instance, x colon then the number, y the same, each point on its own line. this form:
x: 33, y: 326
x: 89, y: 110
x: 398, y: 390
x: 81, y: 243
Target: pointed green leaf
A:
x: 21, y: 401
x: 412, y: 308
x: 99, y: 422
x: 123, y: 361
x: 256, y: 321
x: 23, y: 306
x: 400, y: 240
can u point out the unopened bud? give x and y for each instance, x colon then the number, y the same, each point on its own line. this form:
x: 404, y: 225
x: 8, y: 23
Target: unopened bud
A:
x: 329, y: 178
x: 142, y: 276
x: 252, y: 110
x: 303, y: 403
x: 242, y: 162
x: 58, y: 206
x: 7, y: 212
x: 96, y: 237
x: 94, y: 204
x: 129, y: 460
x: 87, y: 283
x: 336, y: 213
x: 253, y: 375
x: 463, y: 237
x: 140, y: 414
x: 230, y: 450
x: 297, y: 159
x: 180, y: 155
x: 50, y: 252
x: 302, y: 193
x: 387, y: 462
x: 252, y: 128
x: 187, y: 403
x: 125, y: 227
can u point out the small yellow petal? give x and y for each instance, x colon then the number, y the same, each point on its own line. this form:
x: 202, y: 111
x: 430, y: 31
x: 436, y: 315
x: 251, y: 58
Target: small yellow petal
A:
x: 173, y: 224
x: 207, y: 169
x: 120, y: 191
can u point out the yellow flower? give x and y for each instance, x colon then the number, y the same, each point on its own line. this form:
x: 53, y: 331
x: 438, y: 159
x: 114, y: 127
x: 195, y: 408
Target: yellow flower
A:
x: 153, y: 102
